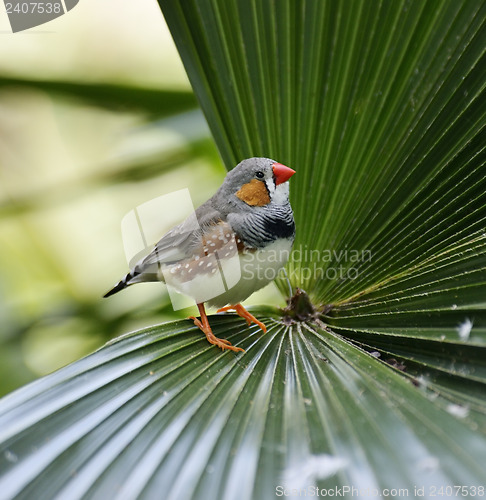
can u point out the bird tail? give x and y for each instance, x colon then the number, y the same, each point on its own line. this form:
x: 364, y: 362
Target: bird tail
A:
x: 123, y: 283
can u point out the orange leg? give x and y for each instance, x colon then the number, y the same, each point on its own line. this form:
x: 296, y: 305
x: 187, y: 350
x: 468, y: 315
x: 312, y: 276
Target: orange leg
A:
x: 203, y: 324
x: 241, y: 311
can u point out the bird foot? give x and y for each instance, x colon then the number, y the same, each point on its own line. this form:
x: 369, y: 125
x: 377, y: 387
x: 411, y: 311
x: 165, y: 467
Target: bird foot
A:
x: 212, y: 339
x: 242, y: 312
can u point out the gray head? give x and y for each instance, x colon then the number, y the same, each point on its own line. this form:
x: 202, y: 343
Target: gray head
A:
x: 255, y: 182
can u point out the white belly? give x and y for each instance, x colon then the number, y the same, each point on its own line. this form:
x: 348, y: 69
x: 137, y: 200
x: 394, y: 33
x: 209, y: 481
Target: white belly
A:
x: 257, y: 270
x: 240, y: 277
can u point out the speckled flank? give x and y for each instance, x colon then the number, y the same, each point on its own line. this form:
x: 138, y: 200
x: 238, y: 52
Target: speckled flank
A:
x: 218, y: 244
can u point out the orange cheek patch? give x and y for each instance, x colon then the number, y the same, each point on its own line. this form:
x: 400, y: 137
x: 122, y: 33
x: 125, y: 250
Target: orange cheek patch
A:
x: 254, y: 193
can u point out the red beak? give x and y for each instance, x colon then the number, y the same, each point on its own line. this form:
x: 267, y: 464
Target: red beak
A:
x: 282, y: 173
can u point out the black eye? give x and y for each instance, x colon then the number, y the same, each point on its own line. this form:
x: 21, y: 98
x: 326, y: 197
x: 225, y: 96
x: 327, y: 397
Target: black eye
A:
x: 260, y: 175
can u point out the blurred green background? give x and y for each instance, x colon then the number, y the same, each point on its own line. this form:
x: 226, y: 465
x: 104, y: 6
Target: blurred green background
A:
x: 96, y: 117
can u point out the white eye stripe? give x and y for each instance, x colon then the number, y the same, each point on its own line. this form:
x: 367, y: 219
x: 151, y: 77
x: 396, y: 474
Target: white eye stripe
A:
x: 270, y: 183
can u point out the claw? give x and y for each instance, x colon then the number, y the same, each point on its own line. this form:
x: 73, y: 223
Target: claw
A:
x: 203, y: 324
x: 242, y: 312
